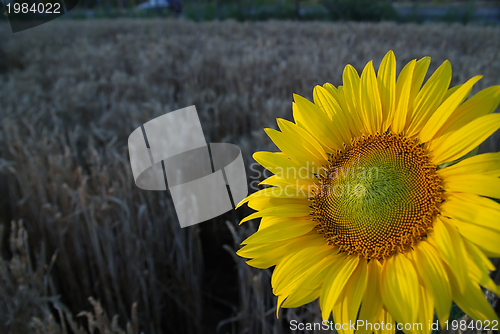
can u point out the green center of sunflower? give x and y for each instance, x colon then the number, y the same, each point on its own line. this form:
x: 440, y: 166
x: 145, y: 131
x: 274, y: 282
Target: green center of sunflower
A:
x: 378, y: 196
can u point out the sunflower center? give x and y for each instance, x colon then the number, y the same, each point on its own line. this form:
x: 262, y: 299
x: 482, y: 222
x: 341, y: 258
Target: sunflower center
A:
x: 377, y: 197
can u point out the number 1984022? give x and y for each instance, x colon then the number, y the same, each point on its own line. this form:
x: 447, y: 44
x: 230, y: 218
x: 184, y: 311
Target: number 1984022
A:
x: 35, y: 8
x: 485, y: 325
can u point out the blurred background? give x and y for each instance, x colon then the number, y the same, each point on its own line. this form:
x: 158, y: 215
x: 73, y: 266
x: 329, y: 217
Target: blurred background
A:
x: 82, y: 249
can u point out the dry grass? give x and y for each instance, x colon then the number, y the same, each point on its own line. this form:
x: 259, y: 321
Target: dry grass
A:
x: 71, y: 93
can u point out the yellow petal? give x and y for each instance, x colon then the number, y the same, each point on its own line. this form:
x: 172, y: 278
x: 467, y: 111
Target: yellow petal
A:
x: 448, y: 241
x: 351, y: 90
x: 331, y: 89
x: 462, y: 141
x: 275, y: 251
x: 445, y: 110
x: 269, y: 254
x: 460, y: 207
x: 264, y: 262
x: 386, y: 318
x: 479, y: 267
x: 288, y: 145
x: 429, y: 98
x: 292, y: 180
x: 330, y: 106
x: 255, y: 250
x: 425, y: 313
x: 262, y: 203
x: 478, y: 256
x: 334, y: 283
x: 372, y: 301
x: 386, y: 77
x: 370, y: 99
x: 352, y: 296
x: 485, y: 238
x: 353, y: 117
x: 480, y: 104
x: 435, y: 278
x: 280, y: 211
x: 403, y: 90
x: 308, y: 287
x: 316, y: 122
x: 473, y: 302
x: 281, y: 298
x: 276, y: 192
x: 482, y: 277
x: 476, y: 184
x: 279, y: 164
x: 270, y: 221
x: 281, y: 189
x: 281, y: 231
x: 421, y: 67
x: 485, y: 164
x: 400, y: 288
x: 291, y: 268
x: 303, y: 139
x: 340, y: 314
x: 301, y: 297
x: 452, y: 90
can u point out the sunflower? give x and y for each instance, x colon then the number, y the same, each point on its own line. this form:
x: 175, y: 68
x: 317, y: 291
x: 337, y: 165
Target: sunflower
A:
x: 377, y: 206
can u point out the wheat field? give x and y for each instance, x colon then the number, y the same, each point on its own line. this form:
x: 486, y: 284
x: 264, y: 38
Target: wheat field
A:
x: 84, y: 249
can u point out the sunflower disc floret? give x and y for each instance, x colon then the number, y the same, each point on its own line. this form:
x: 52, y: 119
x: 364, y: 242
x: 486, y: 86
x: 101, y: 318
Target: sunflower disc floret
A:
x: 377, y: 196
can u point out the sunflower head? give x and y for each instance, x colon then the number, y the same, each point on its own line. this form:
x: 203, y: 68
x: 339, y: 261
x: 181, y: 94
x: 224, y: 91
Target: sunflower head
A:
x: 378, y: 196
x: 369, y: 210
